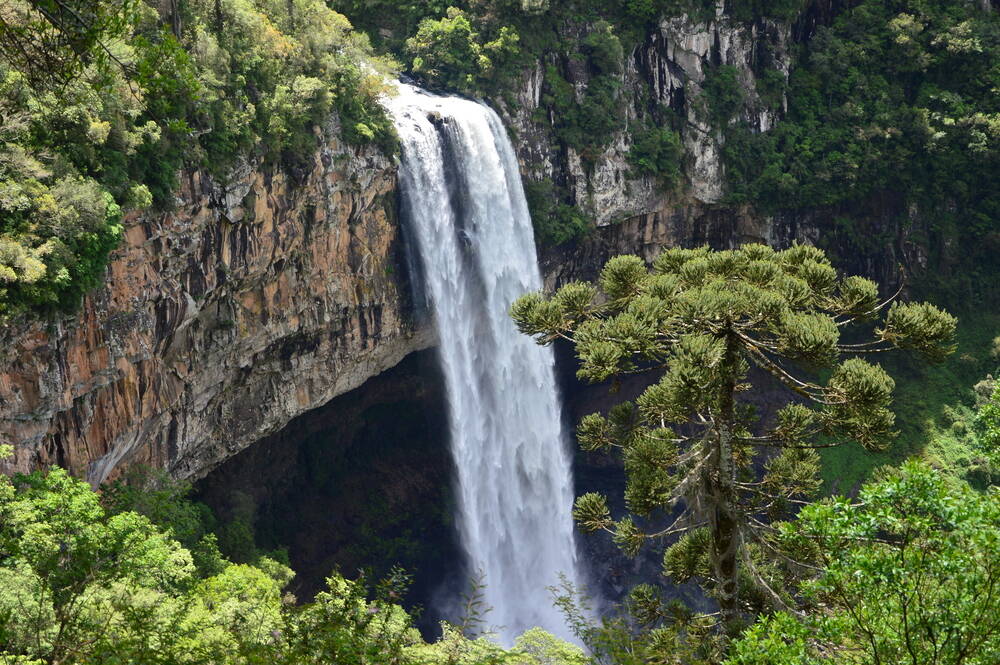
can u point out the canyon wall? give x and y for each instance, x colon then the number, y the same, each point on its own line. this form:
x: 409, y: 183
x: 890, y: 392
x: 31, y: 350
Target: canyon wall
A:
x: 252, y: 302
x: 668, y: 69
x: 636, y: 213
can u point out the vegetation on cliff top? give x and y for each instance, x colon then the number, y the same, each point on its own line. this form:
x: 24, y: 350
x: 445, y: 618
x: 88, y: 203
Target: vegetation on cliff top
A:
x: 102, y: 103
x: 891, y: 101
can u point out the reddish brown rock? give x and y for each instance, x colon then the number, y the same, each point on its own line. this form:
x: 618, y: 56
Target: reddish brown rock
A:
x: 248, y: 305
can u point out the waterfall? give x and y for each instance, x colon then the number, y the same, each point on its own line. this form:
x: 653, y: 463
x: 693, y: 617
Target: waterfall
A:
x: 467, y: 216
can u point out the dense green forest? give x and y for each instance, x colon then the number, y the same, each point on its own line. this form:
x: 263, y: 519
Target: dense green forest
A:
x: 135, y: 575
x: 889, y: 105
x: 103, y: 103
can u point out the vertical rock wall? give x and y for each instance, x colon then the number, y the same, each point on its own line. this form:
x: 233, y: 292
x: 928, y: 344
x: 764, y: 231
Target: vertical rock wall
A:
x: 249, y: 304
x: 668, y: 68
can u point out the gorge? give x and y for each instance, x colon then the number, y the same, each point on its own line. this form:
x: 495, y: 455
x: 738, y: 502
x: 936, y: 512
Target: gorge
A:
x: 270, y: 304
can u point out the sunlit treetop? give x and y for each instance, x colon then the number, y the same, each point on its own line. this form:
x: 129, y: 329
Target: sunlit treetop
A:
x: 700, y: 314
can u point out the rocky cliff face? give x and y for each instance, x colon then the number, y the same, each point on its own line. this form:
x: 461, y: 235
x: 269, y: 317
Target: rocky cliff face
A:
x: 884, y: 249
x: 251, y: 303
x: 668, y: 68
x: 261, y: 299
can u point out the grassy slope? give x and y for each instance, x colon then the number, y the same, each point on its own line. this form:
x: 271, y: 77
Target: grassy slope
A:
x: 928, y: 399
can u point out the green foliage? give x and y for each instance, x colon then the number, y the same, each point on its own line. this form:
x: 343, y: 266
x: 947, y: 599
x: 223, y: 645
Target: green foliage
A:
x: 987, y: 427
x: 102, y: 105
x: 657, y: 152
x: 934, y: 411
x: 344, y: 625
x: 585, y: 122
x: 390, y: 22
x: 555, y: 222
x: 164, y: 502
x: 891, y: 98
x: 54, y: 239
x: 450, y: 53
x: 68, y: 567
x: 86, y: 578
x: 472, y: 621
x: 541, y: 648
x: 603, y: 49
x: 644, y: 629
x: 723, y: 94
x: 751, y: 10
x: 700, y: 319
x: 51, y: 41
x: 906, y: 575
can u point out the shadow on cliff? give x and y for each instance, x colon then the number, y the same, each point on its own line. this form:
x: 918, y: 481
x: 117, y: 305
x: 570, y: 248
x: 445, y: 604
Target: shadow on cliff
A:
x: 364, y: 482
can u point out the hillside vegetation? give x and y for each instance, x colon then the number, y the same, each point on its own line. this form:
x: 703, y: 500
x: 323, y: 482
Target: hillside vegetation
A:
x: 134, y: 575
x: 104, y: 102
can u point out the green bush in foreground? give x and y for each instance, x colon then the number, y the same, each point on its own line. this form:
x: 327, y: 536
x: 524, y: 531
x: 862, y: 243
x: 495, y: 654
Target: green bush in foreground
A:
x: 908, y: 575
x: 84, y: 579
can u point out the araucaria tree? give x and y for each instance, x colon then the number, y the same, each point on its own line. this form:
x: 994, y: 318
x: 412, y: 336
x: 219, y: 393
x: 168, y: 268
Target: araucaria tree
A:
x: 693, y: 449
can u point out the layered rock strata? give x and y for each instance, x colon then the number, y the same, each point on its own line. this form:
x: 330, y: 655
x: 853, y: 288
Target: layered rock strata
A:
x: 252, y: 302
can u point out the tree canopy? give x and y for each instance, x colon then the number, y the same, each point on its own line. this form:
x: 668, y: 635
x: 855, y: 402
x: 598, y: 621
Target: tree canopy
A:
x: 132, y: 575
x: 908, y: 574
x: 692, y: 446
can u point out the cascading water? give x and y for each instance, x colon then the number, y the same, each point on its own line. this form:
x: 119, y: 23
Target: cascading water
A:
x: 469, y: 220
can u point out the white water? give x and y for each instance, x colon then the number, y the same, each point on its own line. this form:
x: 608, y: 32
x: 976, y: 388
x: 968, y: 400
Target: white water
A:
x: 469, y: 219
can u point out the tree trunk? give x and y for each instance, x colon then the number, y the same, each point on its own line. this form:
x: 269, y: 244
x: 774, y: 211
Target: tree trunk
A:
x: 722, y: 479
x: 175, y: 19
x: 218, y: 18
x: 170, y: 13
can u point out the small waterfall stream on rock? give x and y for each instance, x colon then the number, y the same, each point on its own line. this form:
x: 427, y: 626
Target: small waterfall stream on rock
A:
x: 469, y: 220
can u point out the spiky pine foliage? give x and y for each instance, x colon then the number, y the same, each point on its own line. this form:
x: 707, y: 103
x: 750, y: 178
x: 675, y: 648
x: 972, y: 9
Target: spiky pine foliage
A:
x: 702, y: 319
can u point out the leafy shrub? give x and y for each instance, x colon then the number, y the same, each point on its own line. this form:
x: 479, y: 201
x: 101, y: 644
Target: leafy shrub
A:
x: 555, y: 222
x: 657, y: 151
x: 448, y: 53
x: 723, y: 94
x: 586, y: 125
x: 604, y: 49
